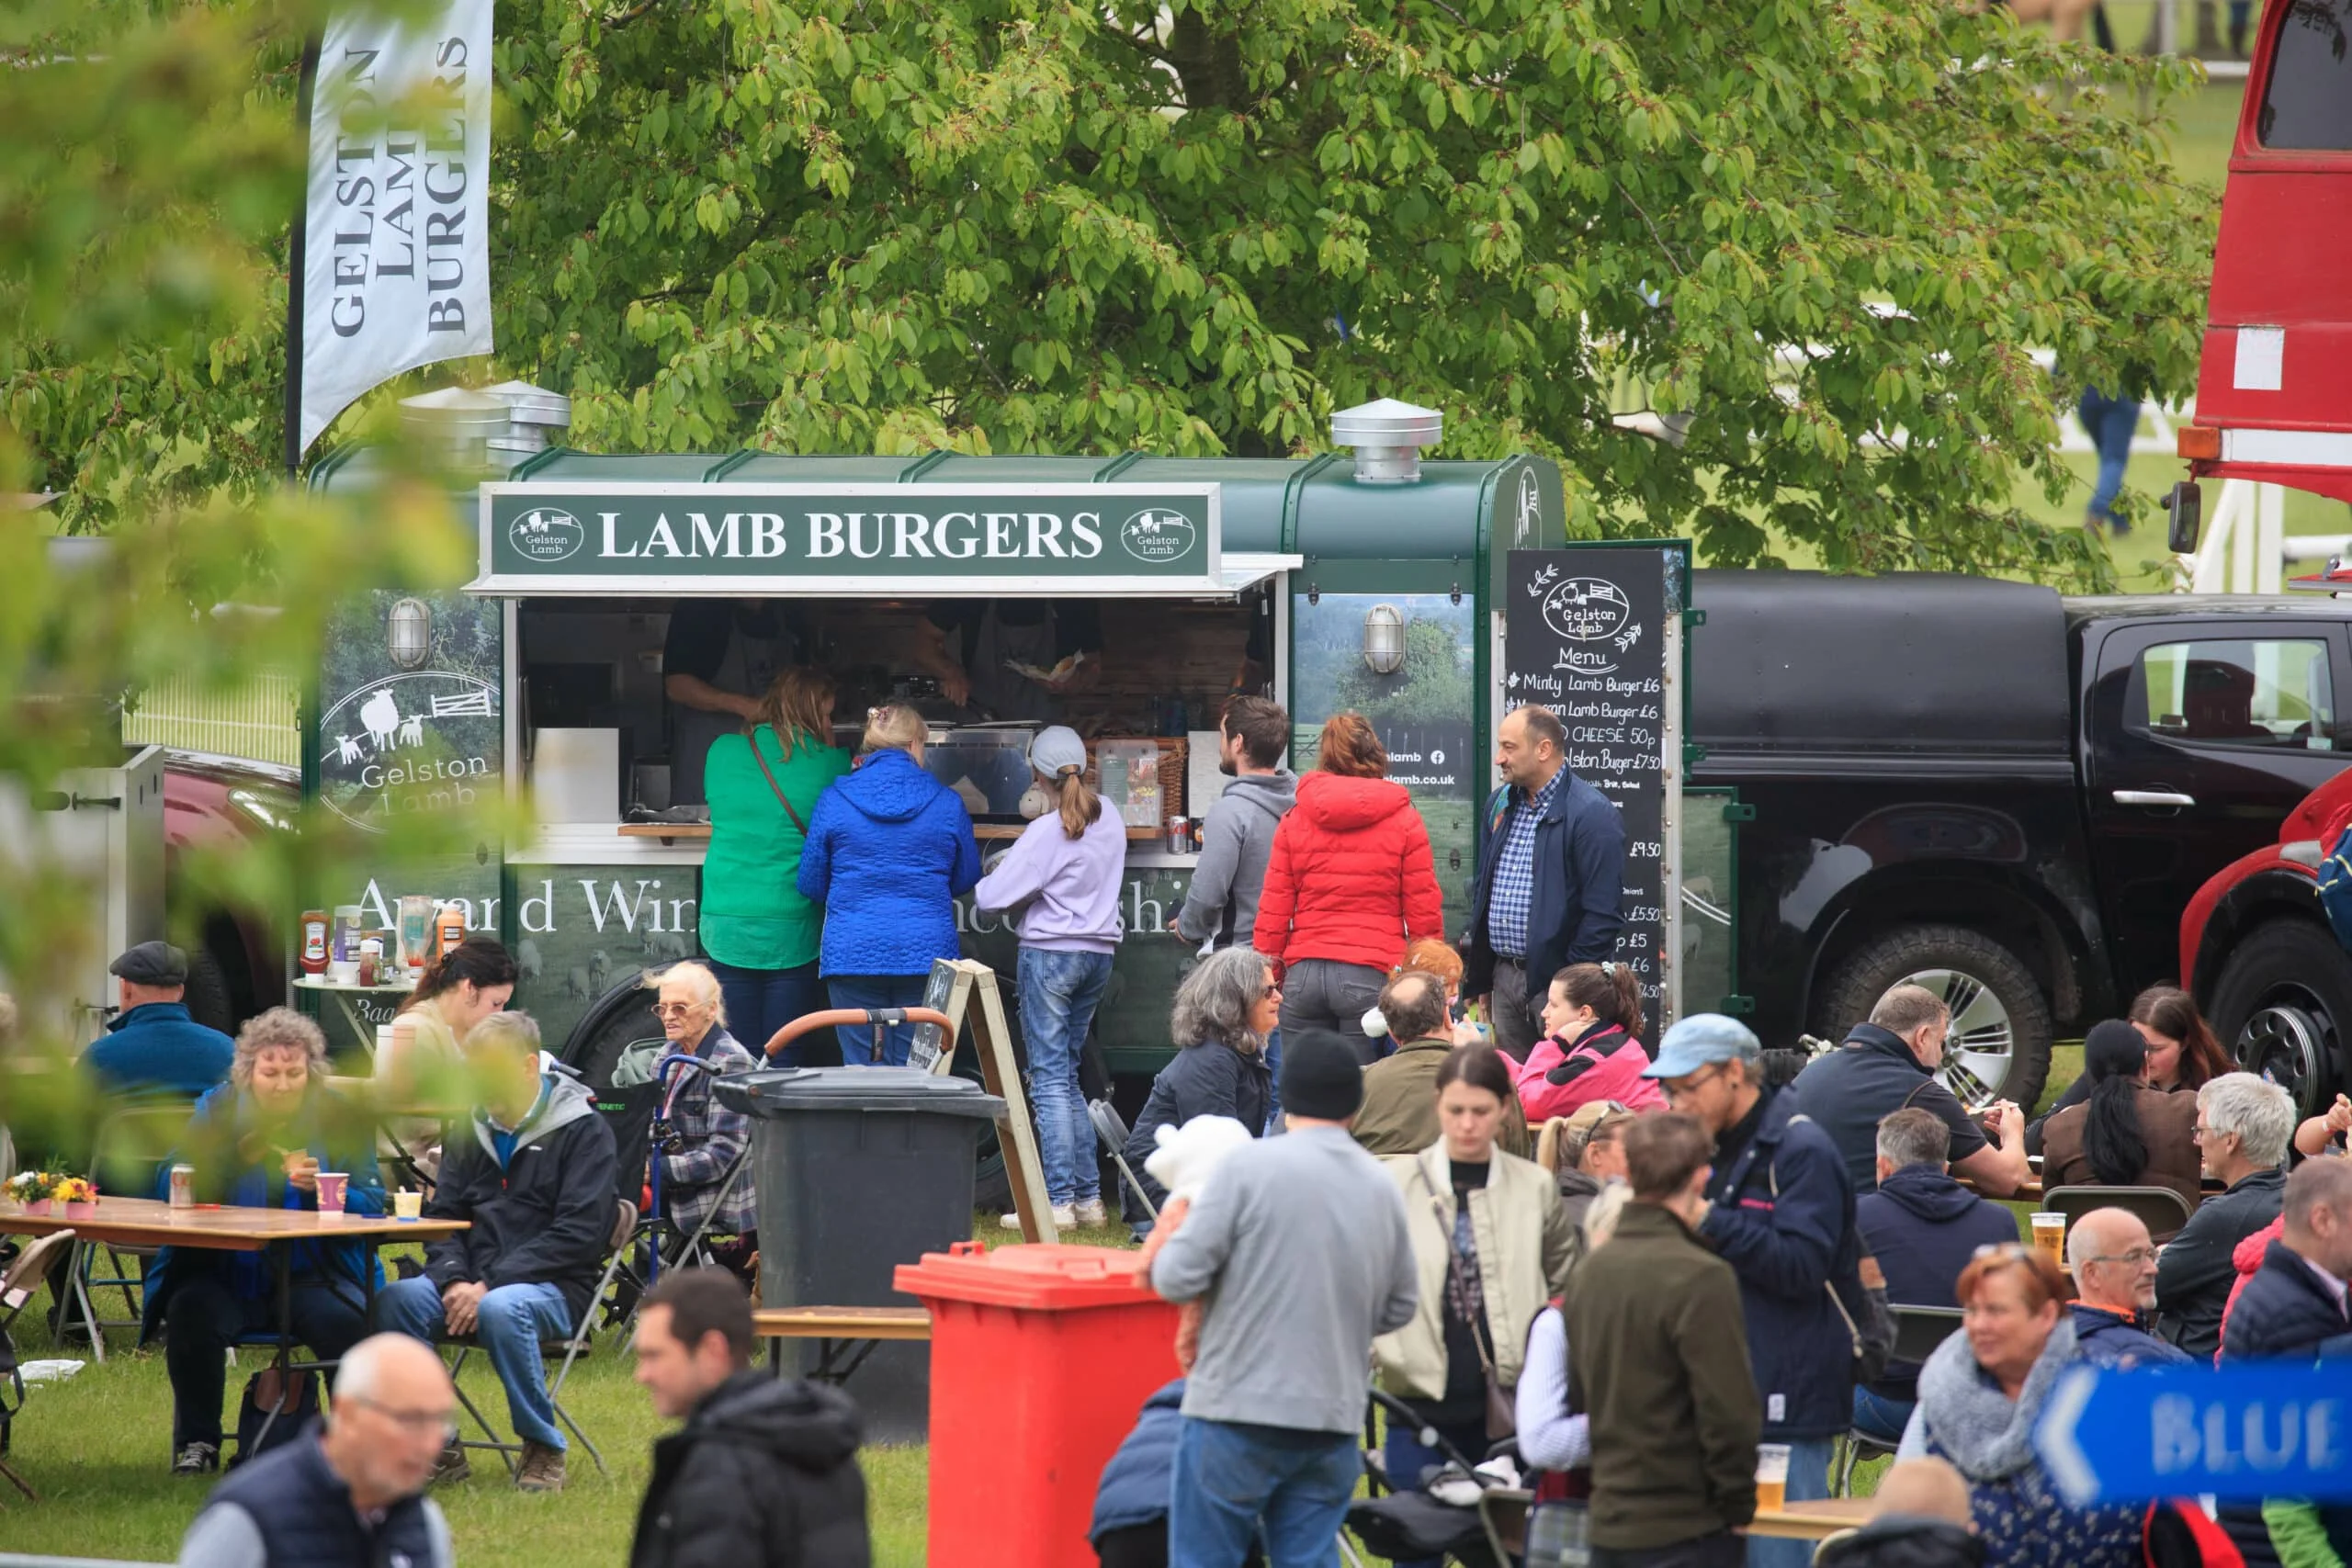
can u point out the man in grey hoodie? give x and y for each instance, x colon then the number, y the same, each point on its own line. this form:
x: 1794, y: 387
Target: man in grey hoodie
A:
x: 1238, y: 838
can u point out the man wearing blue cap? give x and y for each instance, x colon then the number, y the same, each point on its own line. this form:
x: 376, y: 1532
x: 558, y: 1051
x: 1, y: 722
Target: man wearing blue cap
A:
x: 1781, y: 1212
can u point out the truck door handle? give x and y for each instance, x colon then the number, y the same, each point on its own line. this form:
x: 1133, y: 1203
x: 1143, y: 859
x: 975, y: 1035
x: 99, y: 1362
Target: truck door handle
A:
x: 2173, y: 798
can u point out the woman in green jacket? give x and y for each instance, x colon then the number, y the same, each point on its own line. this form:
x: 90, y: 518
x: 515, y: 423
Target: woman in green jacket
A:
x: 758, y: 931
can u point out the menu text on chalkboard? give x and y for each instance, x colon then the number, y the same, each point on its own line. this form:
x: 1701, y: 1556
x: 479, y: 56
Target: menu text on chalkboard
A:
x: 1594, y: 633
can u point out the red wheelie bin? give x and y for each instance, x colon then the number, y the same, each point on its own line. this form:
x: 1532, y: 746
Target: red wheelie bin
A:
x: 1041, y: 1358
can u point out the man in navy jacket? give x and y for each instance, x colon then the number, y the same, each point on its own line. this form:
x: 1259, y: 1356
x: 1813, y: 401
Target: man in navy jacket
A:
x: 1549, y: 878
x: 153, y: 1045
x: 1781, y: 1214
x: 2294, y: 1306
x: 1923, y: 1228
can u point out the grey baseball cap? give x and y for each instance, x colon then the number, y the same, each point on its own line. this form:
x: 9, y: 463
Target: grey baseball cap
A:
x: 151, y: 963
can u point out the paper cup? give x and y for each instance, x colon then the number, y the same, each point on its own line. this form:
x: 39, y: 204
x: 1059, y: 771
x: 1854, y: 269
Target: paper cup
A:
x: 332, y: 1186
x: 1772, y: 1476
x: 408, y: 1205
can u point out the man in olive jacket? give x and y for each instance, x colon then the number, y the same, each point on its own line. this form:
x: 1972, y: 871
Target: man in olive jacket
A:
x: 1657, y: 1356
x: 1400, y: 1115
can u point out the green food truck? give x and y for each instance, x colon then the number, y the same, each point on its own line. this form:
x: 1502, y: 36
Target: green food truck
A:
x: 1431, y: 596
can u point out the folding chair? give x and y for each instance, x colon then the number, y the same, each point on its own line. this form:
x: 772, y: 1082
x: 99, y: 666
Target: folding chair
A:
x: 19, y: 1286
x: 1917, y: 1331
x: 1110, y: 1131
x: 2161, y: 1209
x: 572, y: 1345
x: 128, y: 1154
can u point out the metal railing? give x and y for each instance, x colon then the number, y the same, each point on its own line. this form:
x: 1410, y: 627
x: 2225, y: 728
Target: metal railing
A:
x: 256, y: 720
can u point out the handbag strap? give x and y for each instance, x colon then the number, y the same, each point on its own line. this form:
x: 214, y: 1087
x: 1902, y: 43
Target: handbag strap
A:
x: 1455, y: 1265
x: 754, y: 738
x: 1853, y: 1329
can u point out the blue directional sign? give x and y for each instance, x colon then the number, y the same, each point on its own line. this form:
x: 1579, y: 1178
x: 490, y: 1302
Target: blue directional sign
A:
x: 2252, y: 1430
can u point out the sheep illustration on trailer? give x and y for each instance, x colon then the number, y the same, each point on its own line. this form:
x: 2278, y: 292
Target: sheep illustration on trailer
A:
x: 381, y: 715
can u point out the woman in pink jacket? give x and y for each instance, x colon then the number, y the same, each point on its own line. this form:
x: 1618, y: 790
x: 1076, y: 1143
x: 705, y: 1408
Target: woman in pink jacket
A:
x: 1589, y: 1053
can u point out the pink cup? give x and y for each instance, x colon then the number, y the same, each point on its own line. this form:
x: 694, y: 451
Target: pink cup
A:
x: 331, y: 1184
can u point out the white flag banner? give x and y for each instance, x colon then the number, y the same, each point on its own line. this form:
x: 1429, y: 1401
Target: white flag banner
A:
x: 396, y: 248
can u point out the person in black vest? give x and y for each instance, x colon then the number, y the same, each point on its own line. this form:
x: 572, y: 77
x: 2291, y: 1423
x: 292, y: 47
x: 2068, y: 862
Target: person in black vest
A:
x: 765, y: 1469
x: 354, y: 1494
x: 1889, y: 1063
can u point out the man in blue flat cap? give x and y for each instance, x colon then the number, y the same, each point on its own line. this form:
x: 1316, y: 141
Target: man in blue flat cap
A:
x: 1781, y: 1212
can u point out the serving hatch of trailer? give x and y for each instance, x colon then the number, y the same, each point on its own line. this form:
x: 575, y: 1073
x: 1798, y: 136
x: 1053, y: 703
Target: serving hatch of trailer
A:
x: 1378, y: 584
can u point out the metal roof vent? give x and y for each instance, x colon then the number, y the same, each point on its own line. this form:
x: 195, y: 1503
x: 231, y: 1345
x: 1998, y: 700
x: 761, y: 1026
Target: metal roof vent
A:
x: 457, y: 423
x: 1388, y: 437
x: 539, y: 417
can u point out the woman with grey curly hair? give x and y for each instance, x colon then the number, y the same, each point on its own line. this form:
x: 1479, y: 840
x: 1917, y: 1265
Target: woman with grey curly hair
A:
x: 264, y: 1140
x: 1223, y: 1012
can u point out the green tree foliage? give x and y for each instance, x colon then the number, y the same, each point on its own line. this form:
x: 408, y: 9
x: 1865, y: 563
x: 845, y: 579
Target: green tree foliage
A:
x: 1827, y: 233
x: 150, y: 165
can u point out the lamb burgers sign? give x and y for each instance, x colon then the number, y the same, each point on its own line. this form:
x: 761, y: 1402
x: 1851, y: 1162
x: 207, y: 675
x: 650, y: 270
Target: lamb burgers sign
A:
x: 848, y: 539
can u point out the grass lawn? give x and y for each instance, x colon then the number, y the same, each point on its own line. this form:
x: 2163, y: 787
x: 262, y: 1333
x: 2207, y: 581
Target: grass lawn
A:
x: 97, y: 1449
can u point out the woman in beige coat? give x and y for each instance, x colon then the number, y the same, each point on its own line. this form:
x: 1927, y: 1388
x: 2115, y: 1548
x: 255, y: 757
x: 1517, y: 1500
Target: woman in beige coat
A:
x: 1493, y: 1243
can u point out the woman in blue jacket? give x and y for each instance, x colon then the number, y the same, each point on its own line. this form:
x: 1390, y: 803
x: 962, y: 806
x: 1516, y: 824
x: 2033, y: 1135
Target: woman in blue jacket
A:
x: 260, y: 1141
x: 889, y: 849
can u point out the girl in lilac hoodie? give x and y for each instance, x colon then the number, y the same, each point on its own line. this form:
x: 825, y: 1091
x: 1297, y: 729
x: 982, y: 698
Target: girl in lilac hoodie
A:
x: 1064, y: 874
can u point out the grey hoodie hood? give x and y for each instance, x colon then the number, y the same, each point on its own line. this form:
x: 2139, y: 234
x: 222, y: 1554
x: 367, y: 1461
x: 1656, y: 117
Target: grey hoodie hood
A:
x: 563, y: 1099
x: 1972, y: 1421
x: 1274, y: 794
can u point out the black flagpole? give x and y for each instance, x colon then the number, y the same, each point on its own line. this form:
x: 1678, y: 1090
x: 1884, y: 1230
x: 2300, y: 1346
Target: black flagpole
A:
x: 296, y: 264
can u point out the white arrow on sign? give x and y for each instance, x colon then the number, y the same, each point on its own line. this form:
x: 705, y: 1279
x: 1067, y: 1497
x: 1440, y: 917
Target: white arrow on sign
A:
x: 2061, y: 1455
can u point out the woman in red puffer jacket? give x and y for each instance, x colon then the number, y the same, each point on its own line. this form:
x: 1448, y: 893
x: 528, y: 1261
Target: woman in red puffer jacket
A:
x: 1349, y: 884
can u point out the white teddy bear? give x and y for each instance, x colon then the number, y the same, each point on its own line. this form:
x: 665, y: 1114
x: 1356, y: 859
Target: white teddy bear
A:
x: 1183, y: 1157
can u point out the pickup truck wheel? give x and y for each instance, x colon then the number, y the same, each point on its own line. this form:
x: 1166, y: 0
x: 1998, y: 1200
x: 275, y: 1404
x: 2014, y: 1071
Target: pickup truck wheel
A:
x: 2284, y: 1008
x: 1999, y: 1045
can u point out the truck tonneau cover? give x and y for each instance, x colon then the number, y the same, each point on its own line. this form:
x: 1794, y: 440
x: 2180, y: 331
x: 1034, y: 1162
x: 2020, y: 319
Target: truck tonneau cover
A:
x: 1928, y: 665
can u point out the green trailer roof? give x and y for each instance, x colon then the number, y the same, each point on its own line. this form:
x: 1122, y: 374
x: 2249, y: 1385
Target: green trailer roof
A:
x: 1313, y: 508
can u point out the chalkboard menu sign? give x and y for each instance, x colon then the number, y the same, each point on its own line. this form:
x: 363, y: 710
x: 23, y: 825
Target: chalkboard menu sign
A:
x: 1594, y: 633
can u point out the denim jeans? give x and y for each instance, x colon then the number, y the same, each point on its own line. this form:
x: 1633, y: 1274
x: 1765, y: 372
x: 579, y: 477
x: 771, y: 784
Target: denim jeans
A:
x: 1409, y: 1460
x: 1808, y: 1483
x: 1323, y: 993
x: 875, y: 991
x: 2110, y: 423
x: 1273, y: 1054
x: 1059, y: 994
x: 1880, y: 1418
x: 760, y: 1001
x: 1232, y: 1477
x: 206, y: 1318
x: 514, y: 1321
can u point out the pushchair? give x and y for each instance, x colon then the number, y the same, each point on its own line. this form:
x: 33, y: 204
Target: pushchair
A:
x: 638, y: 1105
x: 1457, y: 1514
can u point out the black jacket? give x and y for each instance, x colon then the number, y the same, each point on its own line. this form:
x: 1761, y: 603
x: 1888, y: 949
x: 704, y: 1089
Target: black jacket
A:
x: 1904, y: 1541
x: 2284, y: 1311
x: 1572, y: 917
x: 1208, y: 1079
x: 546, y: 1218
x: 2195, y: 1274
x: 764, y: 1471
x: 1923, y: 1228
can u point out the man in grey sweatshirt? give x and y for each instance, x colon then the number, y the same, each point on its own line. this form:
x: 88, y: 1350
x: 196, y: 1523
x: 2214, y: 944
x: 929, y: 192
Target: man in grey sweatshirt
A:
x: 1237, y: 839
x: 1239, y: 835
x: 1298, y: 1251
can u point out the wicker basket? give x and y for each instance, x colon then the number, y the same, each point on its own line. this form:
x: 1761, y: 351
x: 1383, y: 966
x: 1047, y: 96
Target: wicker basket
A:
x: 1172, y: 750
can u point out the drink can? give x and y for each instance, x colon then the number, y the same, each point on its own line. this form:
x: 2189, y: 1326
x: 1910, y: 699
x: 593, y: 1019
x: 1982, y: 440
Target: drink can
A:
x: 183, y: 1186
x: 1180, y: 835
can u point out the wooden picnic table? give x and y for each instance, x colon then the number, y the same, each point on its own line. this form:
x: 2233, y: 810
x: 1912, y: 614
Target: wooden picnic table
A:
x: 149, y: 1222
x: 1811, y: 1521
x: 845, y: 1335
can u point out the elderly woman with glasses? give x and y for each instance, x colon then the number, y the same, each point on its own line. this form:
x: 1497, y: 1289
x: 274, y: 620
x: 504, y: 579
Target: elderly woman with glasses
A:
x: 708, y: 1138
x: 1980, y: 1395
x: 262, y: 1141
x: 1224, y: 1012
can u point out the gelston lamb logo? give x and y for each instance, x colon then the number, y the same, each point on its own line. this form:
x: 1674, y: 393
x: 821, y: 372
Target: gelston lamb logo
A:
x: 1153, y: 535
x: 545, y: 534
x: 1586, y: 609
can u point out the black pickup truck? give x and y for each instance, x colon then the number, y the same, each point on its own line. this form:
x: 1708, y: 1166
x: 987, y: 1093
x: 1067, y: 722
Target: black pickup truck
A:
x: 2001, y: 793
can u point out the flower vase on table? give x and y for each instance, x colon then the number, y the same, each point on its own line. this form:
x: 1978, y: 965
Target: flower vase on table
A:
x: 80, y: 1196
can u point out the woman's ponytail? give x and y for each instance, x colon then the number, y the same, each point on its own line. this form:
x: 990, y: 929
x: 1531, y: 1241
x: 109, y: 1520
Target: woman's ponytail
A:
x: 1612, y: 990
x: 1080, y: 805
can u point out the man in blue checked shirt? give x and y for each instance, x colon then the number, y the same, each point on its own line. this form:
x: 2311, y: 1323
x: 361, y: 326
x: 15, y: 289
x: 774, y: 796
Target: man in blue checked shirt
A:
x: 1549, y: 879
